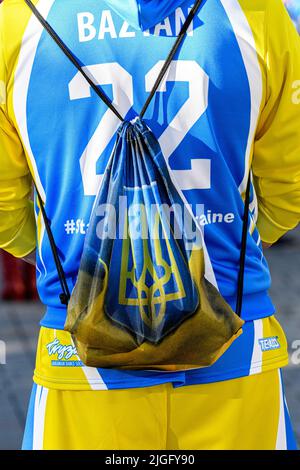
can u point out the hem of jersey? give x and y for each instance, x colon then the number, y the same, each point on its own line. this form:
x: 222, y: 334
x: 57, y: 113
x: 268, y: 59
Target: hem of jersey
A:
x: 89, y: 384
x: 53, y: 317
x: 256, y: 368
x: 79, y: 384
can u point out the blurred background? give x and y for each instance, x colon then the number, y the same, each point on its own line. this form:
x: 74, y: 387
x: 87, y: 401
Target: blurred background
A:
x: 20, y: 312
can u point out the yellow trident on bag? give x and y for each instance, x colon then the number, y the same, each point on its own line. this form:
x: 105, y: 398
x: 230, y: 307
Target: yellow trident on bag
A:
x: 148, y: 282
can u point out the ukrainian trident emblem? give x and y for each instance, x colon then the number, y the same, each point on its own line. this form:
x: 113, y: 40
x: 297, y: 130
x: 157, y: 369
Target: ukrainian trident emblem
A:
x: 154, y: 293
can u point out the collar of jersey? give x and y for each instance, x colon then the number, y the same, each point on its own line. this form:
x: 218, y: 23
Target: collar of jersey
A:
x: 143, y: 14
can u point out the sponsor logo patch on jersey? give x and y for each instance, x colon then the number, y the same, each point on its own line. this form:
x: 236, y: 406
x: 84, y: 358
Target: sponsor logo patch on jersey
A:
x: 269, y: 344
x: 63, y: 354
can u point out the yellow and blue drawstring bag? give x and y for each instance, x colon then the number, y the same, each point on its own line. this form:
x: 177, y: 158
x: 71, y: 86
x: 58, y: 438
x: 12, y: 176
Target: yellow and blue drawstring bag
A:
x: 142, y: 300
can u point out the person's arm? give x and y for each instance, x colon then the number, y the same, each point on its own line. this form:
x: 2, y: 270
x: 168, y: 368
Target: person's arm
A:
x: 17, y: 221
x: 276, y: 161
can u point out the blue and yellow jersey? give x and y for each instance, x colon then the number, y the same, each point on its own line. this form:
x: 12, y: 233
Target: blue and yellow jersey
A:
x: 230, y: 101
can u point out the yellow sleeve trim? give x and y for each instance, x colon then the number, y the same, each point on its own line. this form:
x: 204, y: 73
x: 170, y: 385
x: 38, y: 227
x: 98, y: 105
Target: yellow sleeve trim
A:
x: 269, y: 230
x: 24, y: 241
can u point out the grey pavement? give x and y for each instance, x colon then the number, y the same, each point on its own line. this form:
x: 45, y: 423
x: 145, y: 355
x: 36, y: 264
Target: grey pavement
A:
x: 19, y: 329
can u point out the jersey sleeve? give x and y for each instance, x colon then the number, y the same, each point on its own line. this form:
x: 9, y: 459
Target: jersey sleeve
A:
x: 17, y: 222
x: 276, y: 160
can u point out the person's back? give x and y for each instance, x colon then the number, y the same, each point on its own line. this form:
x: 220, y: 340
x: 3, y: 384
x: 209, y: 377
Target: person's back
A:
x: 230, y: 100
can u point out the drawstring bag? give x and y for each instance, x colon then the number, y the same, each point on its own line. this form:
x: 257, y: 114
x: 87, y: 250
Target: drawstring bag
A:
x: 142, y: 300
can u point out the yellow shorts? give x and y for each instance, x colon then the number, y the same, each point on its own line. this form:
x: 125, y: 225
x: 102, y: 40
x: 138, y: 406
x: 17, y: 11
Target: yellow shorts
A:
x: 244, y: 413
